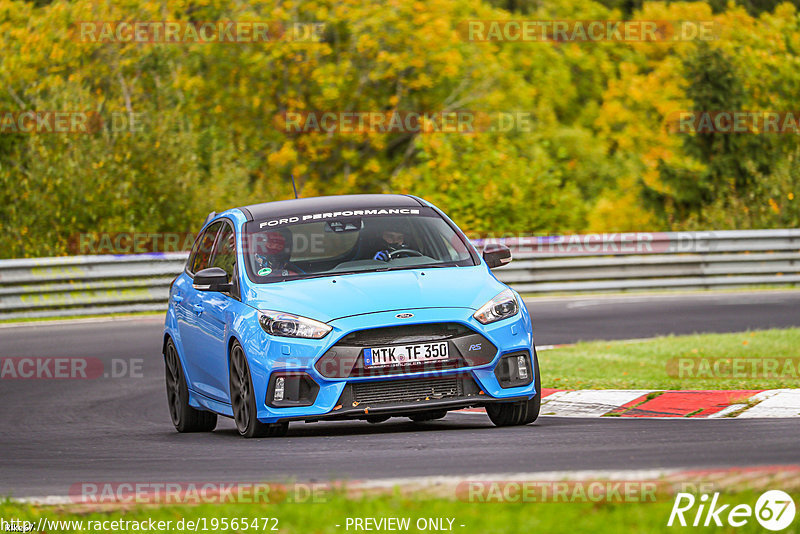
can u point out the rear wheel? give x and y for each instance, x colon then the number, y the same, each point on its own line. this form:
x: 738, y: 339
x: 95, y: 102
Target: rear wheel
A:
x: 184, y: 417
x: 427, y: 416
x: 243, y: 400
x: 518, y: 413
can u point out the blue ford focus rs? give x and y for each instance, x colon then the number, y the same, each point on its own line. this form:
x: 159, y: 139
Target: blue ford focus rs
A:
x: 347, y: 307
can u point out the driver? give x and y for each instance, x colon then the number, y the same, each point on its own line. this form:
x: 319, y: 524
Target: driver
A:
x: 274, y: 251
x: 391, y: 241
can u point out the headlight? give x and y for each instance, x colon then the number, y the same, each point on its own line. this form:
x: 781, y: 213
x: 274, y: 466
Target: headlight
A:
x: 502, y: 306
x: 288, y: 325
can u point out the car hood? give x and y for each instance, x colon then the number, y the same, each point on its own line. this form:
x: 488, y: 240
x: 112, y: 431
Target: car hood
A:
x: 334, y: 297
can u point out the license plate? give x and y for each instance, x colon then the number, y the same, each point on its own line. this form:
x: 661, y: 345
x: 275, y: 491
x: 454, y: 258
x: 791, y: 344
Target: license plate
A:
x: 405, y: 354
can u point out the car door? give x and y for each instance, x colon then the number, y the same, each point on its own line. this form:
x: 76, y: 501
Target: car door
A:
x: 187, y: 305
x: 214, y: 315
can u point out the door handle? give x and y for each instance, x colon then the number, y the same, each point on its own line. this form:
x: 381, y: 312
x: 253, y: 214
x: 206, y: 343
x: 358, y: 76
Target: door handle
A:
x: 198, y: 308
x: 177, y: 298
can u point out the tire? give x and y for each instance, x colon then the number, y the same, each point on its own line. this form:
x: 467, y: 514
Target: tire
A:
x: 519, y: 413
x: 243, y: 400
x: 184, y: 417
x: 427, y: 416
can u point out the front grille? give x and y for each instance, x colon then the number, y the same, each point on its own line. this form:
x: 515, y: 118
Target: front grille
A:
x: 391, y: 335
x: 346, y: 358
x: 410, y: 390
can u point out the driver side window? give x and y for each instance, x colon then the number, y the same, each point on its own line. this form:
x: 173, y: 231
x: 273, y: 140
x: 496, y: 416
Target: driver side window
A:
x: 225, y: 251
x: 201, y: 252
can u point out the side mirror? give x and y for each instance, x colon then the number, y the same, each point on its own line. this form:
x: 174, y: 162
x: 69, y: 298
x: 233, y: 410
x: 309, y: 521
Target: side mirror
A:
x: 496, y: 255
x: 211, y: 279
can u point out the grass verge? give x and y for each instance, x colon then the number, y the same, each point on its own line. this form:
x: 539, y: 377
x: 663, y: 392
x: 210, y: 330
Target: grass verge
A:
x: 91, y: 316
x: 332, y: 515
x: 678, y: 362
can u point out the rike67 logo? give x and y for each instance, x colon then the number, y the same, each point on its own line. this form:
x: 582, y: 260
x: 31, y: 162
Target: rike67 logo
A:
x: 774, y: 510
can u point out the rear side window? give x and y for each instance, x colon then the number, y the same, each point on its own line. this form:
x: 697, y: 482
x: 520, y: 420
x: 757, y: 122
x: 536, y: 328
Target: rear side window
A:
x: 225, y: 251
x: 201, y: 251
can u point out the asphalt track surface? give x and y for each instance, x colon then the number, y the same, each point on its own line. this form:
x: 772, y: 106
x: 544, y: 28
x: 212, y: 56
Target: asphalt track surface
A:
x: 59, y: 433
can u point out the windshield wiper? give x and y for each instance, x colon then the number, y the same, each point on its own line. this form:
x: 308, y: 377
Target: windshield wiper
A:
x: 323, y: 275
x: 375, y: 270
x: 425, y: 266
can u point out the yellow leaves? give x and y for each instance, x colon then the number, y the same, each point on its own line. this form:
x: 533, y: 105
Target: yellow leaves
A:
x: 373, y: 165
x: 452, y: 61
x: 490, y: 191
x: 365, y: 43
x: 282, y: 157
x: 774, y: 206
x: 421, y: 82
x: 350, y: 155
x: 330, y: 92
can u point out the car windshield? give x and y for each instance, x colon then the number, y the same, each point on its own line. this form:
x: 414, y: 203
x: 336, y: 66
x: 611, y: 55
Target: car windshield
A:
x: 326, y: 244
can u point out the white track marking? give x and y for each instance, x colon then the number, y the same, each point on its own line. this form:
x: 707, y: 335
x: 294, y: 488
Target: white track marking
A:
x: 589, y: 402
x: 774, y: 403
x: 725, y: 411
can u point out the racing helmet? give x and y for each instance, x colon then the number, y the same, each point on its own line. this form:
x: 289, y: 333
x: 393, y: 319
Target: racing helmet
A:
x: 275, y: 246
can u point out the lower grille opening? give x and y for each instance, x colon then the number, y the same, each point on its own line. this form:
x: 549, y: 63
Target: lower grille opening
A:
x: 411, y: 390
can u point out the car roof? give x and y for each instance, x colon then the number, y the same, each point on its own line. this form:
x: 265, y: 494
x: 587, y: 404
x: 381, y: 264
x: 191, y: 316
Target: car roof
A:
x: 283, y: 208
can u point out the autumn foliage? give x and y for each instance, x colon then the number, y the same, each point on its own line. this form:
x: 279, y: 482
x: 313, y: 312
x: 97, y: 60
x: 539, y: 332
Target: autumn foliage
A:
x: 188, y: 128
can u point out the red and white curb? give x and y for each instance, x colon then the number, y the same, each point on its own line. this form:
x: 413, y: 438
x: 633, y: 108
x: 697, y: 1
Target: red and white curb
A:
x: 658, y: 403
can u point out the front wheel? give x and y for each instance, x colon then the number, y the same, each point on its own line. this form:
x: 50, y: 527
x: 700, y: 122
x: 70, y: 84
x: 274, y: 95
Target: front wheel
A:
x: 184, y: 417
x: 519, y: 413
x: 243, y: 400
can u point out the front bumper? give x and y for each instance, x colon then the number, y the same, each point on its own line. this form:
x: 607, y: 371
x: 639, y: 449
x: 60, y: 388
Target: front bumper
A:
x: 343, y: 397
x: 402, y: 409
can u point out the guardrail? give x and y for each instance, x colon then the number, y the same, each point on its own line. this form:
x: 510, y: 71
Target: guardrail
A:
x: 83, y: 285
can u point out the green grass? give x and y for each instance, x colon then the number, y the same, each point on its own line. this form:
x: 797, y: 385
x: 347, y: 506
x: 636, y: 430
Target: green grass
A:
x: 477, y: 518
x: 90, y: 316
x: 643, y: 364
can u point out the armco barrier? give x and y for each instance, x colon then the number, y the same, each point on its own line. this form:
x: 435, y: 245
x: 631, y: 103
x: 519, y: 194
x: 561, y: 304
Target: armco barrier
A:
x: 81, y: 285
